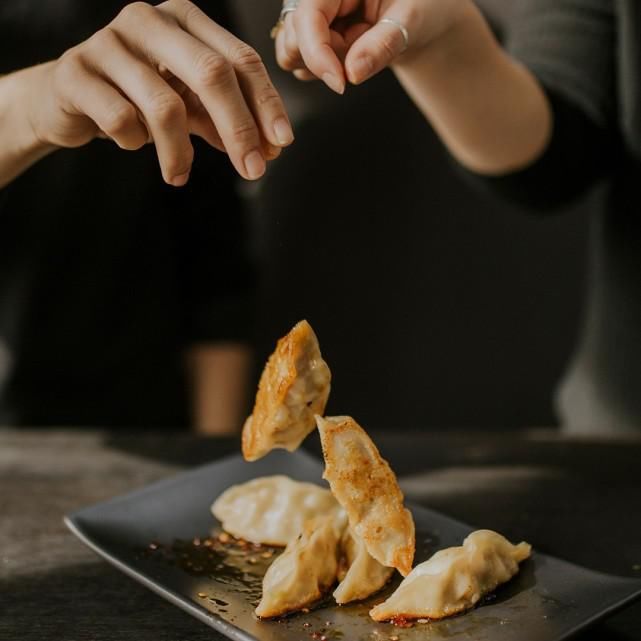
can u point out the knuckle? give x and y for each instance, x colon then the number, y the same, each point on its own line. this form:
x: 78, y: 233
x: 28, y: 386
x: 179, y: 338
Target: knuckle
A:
x: 245, y: 58
x: 135, y: 11
x: 389, y: 45
x: 245, y: 133
x: 212, y: 69
x: 70, y: 63
x: 166, y: 108
x: 268, y: 96
x: 179, y: 164
x: 119, y: 118
x: 103, y: 40
x: 188, y: 10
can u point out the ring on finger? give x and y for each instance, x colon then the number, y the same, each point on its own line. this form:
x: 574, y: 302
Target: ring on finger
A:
x: 401, y: 27
x: 288, y: 7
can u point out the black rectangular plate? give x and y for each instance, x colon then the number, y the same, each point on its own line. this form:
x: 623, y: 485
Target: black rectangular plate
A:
x: 549, y: 600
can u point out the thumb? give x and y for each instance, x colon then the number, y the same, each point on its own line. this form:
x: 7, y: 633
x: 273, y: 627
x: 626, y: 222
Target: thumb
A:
x: 375, y: 50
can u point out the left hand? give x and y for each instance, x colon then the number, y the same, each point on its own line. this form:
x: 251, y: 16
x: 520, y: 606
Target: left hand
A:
x: 345, y: 40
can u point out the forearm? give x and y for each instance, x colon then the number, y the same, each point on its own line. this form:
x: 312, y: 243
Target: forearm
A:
x: 489, y: 110
x: 19, y: 146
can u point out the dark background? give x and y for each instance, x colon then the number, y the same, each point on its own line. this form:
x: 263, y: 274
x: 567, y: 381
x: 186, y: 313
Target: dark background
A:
x: 435, y: 306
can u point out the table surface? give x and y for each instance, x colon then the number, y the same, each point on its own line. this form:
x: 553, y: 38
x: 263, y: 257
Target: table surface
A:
x: 576, y: 499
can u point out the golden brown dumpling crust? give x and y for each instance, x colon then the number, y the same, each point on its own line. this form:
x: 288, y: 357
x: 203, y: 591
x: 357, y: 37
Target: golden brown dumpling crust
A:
x: 364, y: 484
x: 294, y: 386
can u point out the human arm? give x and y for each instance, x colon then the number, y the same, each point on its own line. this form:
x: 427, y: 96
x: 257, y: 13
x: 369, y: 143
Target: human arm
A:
x: 490, y: 106
x: 20, y: 147
x: 154, y: 73
x: 490, y: 110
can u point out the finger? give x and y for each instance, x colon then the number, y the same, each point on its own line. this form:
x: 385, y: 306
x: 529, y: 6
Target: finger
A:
x: 304, y: 75
x: 312, y: 20
x: 89, y: 95
x: 206, y: 72
x: 271, y: 152
x: 262, y: 97
x: 200, y: 123
x: 162, y: 108
x: 287, y: 52
x: 377, y: 48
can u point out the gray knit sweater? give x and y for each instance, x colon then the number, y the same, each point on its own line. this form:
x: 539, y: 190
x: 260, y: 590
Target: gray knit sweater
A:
x: 587, y: 54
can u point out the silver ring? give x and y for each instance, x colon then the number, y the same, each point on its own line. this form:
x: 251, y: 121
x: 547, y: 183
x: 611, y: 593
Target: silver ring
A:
x: 288, y: 7
x: 401, y: 27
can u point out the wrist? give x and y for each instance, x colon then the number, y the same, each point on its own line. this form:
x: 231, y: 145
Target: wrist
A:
x: 31, y: 86
x: 456, y: 40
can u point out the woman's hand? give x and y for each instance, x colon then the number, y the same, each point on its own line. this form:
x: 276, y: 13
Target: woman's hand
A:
x: 335, y: 40
x: 160, y: 74
x: 489, y: 110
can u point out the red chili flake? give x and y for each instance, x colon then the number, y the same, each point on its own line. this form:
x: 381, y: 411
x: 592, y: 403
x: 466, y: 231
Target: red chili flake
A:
x: 401, y: 622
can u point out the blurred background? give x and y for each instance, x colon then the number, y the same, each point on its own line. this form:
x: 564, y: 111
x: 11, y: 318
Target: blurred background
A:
x: 434, y: 305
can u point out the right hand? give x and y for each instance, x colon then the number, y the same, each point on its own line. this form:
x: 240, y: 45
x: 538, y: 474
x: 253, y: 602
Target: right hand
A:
x: 335, y: 40
x: 158, y: 74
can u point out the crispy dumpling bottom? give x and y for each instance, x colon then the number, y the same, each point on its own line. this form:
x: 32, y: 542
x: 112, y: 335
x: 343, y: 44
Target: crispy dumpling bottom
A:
x: 366, y: 487
x: 293, y: 387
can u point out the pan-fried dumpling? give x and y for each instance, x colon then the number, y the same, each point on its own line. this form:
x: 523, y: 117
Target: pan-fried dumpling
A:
x: 454, y: 580
x: 364, y: 484
x: 359, y: 573
x: 305, y: 571
x: 293, y: 388
x: 271, y: 509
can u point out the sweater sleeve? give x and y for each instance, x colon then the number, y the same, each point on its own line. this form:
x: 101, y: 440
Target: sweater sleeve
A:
x: 570, y: 46
x: 579, y: 154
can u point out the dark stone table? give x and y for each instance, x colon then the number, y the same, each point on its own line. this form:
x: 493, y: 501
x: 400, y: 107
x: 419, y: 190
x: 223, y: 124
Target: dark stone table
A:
x: 577, y: 499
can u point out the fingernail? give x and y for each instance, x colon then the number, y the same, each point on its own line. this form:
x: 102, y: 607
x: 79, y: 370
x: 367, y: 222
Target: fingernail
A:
x: 255, y: 165
x: 334, y: 82
x: 283, y: 132
x: 180, y: 181
x: 360, y: 70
